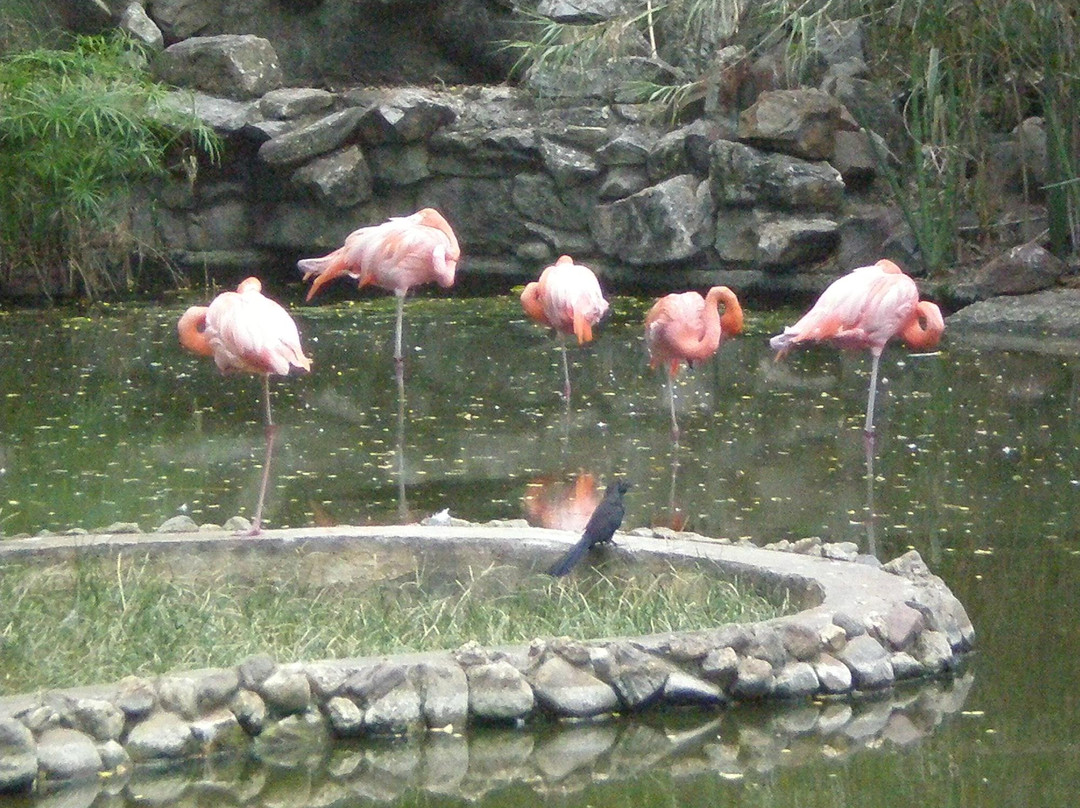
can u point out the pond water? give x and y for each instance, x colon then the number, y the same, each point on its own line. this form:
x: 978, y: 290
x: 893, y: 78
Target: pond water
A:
x: 103, y: 418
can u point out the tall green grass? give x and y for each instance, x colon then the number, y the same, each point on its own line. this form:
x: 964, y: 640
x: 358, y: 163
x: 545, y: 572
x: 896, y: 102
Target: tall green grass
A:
x: 91, y: 621
x: 79, y: 129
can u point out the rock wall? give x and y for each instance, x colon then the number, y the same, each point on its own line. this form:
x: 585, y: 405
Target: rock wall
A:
x: 768, y: 190
x: 755, y: 202
x: 331, y: 42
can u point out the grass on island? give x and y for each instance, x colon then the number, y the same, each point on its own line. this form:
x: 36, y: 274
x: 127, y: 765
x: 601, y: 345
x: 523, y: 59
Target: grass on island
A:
x: 84, y: 622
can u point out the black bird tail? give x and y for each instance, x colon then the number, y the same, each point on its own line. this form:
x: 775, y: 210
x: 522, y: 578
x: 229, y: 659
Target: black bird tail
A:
x: 572, y: 557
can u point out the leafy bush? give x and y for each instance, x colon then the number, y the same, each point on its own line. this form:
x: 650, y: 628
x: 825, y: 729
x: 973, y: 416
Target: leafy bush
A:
x: 78, y: 128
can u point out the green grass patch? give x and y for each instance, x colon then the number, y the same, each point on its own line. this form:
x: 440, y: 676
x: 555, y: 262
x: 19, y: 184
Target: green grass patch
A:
x: 92, y: 621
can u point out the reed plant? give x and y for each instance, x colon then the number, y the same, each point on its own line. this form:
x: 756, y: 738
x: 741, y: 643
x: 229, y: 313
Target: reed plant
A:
x: 80, y: 128
x: 95, y: 621
x: 965, y: 73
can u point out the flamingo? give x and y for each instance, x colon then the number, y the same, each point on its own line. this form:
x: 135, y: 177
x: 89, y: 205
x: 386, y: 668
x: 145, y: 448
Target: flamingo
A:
x: 863, y: 310
x: 686, y: 327
x: 400, y: 253
x: 567, y: 298
x: 246, y: 332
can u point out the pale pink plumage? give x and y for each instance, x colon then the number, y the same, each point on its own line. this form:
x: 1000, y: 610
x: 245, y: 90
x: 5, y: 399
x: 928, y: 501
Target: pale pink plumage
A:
x: 864, y: 310
x: 396, y: 255
x: 567, y: 297
x: 686, y: 327
x: 400, y: 253
x: 246, y: 332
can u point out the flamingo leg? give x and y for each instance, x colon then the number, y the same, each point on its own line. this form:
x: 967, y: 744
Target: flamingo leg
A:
x: 269, y: 418
x: 671, y: 398
x: 398, y: 355
x: 871, y: 515
x: 271, y: 430
x: 403, y: 504
x: 868, y: 428
x: 565, y: 368
x: 871, y: 398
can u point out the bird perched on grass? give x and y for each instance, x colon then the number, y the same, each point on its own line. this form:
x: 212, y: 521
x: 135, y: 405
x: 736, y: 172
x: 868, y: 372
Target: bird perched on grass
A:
x: 603, y: 523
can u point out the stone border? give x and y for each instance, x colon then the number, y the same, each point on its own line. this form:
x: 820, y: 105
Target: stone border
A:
x: 864, y: 627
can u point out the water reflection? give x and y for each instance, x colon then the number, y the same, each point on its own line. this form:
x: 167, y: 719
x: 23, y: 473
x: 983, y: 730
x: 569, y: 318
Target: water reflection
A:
x: 674, y: 517
x: 977, y: 465
x: 560, y: 504
x: 768, y: 451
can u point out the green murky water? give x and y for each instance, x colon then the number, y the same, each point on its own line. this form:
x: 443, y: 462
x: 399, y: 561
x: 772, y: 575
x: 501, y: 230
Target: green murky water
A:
x: 103, y: 419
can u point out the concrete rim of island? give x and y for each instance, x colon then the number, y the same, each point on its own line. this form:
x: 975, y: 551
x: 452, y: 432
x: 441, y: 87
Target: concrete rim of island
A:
x: 862, y: 627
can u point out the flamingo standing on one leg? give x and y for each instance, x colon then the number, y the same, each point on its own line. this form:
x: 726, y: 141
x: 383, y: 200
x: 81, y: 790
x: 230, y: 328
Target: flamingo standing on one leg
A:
x: 398, y: 254
x: 567, y: 297
x: 689, y: 328
x: 246, y: 332
x: 863, y: 310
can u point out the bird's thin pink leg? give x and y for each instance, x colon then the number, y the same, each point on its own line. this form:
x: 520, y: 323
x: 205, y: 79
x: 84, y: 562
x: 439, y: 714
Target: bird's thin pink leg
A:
x: 269, y: 418
x: 399, y: 357
x: 403, y: 504
x: 256, y: 524
x: 871, y: 516
x: 671, y: 398
x: 565, y: 368
x: 868, y: 428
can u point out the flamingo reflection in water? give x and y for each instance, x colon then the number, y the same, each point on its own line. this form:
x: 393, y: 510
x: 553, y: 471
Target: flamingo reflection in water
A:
x: 675, y: 517
x: 558, y: 504
x: 246, y: 332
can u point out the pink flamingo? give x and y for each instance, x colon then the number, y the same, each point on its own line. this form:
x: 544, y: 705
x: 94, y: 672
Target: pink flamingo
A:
x: 246, y: 332
x: 567, y: 298
x: 863, y: 310
x: 689, y: 328
x: 398, y: 254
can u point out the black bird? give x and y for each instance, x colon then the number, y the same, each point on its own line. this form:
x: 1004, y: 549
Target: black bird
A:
x: 603, y: 523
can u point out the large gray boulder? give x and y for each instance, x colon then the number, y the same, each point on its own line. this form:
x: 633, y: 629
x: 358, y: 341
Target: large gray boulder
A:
x: 797, y: 122
x: 18, y: 756
x: 1021, y: 270
x: 135, y: 22
x: 773, y: 240
x: 666, y: 222
x: 741, y: 175
x: 234, y: 66
x: 341, y: 179
x: 67, y: 754
x: 314, y: 139
x: 180, y: 19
